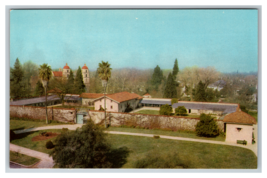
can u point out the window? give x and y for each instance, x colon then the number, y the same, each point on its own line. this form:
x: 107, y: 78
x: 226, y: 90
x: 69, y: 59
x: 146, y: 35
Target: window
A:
x: 86, y: 75
x: 111, y: 107
x: 100, y: 106
x: 239, y: 129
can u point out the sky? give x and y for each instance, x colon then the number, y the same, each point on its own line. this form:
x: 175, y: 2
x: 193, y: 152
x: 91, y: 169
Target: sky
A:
x: 226, y: 39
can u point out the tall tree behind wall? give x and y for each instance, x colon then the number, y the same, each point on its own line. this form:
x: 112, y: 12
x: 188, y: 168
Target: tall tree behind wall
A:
x: 16, y: 83
x: 170, y: 89
x: 157, y: 77
x: 79, y: 85
x: 30, y: 70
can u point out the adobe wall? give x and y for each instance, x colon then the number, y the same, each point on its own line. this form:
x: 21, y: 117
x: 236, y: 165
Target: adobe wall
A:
x: 147, y: 121
x: 32, y: 112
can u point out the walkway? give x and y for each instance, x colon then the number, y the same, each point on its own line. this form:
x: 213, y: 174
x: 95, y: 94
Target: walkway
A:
x: 73, y: 127
x: 46, y: 161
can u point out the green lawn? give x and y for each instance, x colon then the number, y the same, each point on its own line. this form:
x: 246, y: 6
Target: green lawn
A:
x: 25, y: 140
x: 22, y: 159
x: 155, y: 112
x: 23, y: 123
x: 148, y: 112
x: 254, y: 114
x: 194, y: 155
x: 188, y: 134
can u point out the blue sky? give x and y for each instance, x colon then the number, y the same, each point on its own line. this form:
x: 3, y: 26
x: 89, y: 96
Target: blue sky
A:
x: 226, y: 39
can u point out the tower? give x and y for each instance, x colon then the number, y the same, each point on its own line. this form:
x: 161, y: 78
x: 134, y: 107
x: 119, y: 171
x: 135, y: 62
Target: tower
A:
x: 86, y: 79
x: 66, y: 71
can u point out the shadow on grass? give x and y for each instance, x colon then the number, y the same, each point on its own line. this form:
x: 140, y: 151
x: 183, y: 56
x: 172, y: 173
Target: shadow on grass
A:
x: 20, y: 128
x: 14, y: 136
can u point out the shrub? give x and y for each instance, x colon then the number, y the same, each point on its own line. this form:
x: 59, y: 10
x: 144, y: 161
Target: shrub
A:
x: 165, y: 110
x: 64, y: 130
x: 49, y: 144
x: 174, y: 100
x: 101, y: 109
x: 181, y: 111
x: 87, y: 147
x: 207, y: 126
x: 156, y: 136
x: 243, y: 108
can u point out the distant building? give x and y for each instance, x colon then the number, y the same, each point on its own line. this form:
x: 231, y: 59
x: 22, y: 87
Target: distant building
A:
x: 218, y: 85
x: 66, y: 72
x: 147, y: 95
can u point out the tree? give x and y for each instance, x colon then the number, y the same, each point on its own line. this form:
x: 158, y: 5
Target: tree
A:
x: 79, y: 84
x: 157, y: 77
x: 104, y: 73
x: 170, y: 88
x: 207, y: 126
x: 45, y: 73
x: 180, y: 111
x: 39, y: 89
x: 30, y: 70
x: 200, y: 93
x: 87, y: 147
x: 70, y: 83
x: 175, y: 69
x: 174, y: 100
x: 165, y: 110
x: 16, y: 85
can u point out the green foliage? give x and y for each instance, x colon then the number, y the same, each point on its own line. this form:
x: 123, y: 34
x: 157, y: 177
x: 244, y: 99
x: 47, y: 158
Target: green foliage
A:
x: 49, y: 144
x: 210, y: 94
x: 157, y: 77
x: 70, y: 83
x: 170, y: 89
x: 174, y: 100
x: 180, y: 111
x: 45, y: 72
x: 200, y: 94
x: 104, y: 70
x: 157, y: 160
x: 165, y: 110
x: 87, y: 147
x: 16, y: 77
x: 39, y: 89
x: 79, y: 84
x: 175, y: 69
x: 207, y: 126
x: 243, y: 108
x: 101, y: 108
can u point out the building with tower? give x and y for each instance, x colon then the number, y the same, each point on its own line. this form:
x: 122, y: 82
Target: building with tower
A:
x: 65, y: 72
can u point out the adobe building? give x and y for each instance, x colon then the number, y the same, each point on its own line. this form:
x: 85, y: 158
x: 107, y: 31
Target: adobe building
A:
x: 239, y: 126
x: 65, y: 72
x: 116, y: 102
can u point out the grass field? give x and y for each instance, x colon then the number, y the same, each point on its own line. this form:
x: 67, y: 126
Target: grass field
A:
x: 22, y: 159
x: 155, y: 112
x: 21, y: 123
x: 187, y: 134
x: 192, y: 154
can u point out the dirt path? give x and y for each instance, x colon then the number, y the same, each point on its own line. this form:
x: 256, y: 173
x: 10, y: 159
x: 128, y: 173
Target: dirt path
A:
x: 46, y: 161
x: 73, y: 127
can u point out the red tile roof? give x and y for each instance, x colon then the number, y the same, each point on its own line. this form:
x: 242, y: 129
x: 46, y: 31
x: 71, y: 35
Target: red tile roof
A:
x: 66, y: 66
x: 146, y: 94
x: 57, y: 73
x: 123, y: 96
x: 55, y: 90
x: 239, y: 117
x: 84, y: 67
x: 91, y: 95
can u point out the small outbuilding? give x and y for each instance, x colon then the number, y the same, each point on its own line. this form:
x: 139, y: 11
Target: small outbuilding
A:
x: 239, y: 127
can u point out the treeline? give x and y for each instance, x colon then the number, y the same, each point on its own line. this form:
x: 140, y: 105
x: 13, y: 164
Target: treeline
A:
x: 25, y: 82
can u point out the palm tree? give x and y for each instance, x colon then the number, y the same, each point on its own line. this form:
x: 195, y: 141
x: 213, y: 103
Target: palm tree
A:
x: 45, y: 73
x: 104, y: 73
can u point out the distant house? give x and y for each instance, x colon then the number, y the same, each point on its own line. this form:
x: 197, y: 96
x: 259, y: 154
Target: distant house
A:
x: 218, y: 85
x: 89, y: 98
x: 118, y: 102
x: 147, y: 95
x: 239, y: 126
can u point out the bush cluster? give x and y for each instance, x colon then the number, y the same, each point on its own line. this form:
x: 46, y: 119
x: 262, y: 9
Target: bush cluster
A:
x: 165, y: 110
x: 207, y: 126
x: 181, y: 111
x: 49, y: 144
x: 12, y: 135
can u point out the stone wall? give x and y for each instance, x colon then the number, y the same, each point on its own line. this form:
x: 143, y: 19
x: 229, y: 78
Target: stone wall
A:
x: 147, y: 121
x: 32, y: 112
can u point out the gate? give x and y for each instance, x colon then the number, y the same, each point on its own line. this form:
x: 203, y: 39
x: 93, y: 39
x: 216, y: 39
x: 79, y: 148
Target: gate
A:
x: 79, y: 119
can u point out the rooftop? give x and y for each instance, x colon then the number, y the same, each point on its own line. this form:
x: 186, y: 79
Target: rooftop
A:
x: 91, y: 95
x: 84, y: 67
x: 57, y: 73
x: 239, y: 117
